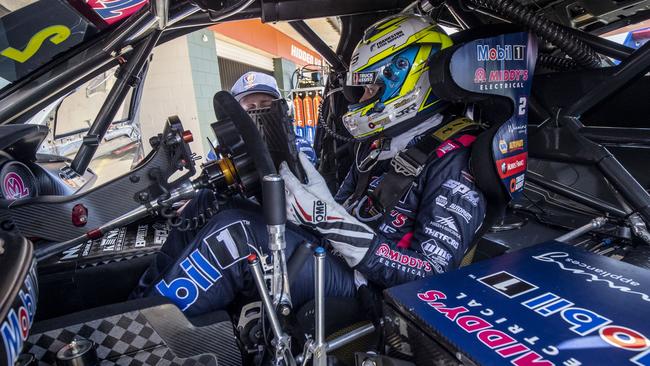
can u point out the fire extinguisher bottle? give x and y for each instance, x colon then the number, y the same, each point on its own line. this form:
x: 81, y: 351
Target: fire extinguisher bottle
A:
x: 317, y: 101
x: 298, y: 116
x: 308, y: 104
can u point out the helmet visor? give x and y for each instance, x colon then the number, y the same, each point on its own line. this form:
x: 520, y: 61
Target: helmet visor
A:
x: 370, y: 92
x: 361, y: 78
x: 360, y: 96
x: 363, y: 87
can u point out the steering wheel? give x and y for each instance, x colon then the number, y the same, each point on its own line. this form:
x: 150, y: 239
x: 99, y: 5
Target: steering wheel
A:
x: 236, y: 130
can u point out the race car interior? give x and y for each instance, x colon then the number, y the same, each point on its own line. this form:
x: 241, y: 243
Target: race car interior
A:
x: 558, y: 269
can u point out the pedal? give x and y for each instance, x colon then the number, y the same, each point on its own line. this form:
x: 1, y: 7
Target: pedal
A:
x: 249, y: 326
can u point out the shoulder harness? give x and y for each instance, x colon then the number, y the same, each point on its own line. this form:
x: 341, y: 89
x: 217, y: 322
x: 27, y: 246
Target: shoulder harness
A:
x: 407, y: 165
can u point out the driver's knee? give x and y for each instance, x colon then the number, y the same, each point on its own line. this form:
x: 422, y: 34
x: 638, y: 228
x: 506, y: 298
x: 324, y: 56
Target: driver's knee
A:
x: 251, y: 220
x: 210, y: 270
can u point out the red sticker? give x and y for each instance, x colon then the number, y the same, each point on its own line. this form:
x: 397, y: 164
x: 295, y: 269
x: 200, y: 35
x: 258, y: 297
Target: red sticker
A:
x: 512, y: 165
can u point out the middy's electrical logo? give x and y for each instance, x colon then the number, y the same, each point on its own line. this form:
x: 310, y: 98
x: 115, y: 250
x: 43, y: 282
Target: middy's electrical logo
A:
x: 14, y: 186
x: 402, y: 262
x: 487, y: 332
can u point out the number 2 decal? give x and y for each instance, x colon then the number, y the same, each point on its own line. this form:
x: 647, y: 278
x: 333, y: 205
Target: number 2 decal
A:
x: 55, y: 33
x: 522, y: 105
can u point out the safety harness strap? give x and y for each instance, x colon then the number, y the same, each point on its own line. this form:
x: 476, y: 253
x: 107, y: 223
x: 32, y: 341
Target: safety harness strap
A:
x: 408, y: 164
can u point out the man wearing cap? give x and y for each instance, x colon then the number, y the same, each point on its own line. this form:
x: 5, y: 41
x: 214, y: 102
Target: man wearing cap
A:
x: 256, y: 90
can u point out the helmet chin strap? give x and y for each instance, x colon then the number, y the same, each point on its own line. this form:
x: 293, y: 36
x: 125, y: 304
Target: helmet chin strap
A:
x: 385, y: 147
x: 368, y: 162
x: 402, y: 127
x: 401, y: 141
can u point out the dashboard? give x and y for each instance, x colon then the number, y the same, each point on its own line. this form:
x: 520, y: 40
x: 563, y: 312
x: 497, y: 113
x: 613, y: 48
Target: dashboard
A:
x: 24, y: 174
x: 48, y: 201
x: 46, y: 177
x: 17, y: 181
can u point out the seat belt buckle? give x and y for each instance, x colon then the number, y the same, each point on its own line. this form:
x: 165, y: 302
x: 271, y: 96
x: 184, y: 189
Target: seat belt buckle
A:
x: 405, y: 166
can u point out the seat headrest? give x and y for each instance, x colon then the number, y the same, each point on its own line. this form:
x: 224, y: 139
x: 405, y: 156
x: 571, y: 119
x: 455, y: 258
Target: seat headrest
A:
x: 494, y: 72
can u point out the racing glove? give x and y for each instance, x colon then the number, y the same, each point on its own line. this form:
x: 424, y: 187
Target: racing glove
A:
x: 311, y: 205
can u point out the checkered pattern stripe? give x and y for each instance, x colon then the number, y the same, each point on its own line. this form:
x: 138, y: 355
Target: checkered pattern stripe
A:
x: 162, y: 356
x: 124, y: 339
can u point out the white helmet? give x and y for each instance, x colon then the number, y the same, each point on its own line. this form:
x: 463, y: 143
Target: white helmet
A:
x: 388, y: 80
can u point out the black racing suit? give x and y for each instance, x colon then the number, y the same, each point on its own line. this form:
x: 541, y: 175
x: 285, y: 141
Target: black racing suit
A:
x: 428, y: 232
x: 429, y: 229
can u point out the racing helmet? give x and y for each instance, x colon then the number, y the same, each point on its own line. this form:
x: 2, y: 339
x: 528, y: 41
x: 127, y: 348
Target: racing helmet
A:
x: 388, y: 83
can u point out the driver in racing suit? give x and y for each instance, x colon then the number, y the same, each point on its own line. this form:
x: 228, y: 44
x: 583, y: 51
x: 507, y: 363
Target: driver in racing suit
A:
x: 424, y: 227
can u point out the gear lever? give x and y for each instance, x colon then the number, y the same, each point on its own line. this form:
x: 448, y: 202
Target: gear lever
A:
x: 279, y: 299
x: 275, y: 215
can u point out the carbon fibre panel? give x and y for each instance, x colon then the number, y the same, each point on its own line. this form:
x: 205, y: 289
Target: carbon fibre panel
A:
x: 158, y: 335
x: 50, y: 217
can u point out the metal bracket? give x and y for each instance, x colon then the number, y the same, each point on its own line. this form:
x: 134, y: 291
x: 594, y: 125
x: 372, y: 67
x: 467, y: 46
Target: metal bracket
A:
x: 594, y: 224
x: 161, y: 10
x: 639, y: 227
x: 403, y: 166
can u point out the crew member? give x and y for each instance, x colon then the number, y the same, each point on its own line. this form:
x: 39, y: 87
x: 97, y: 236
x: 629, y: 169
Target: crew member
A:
x: 408, y: 208
x: 256, y: 90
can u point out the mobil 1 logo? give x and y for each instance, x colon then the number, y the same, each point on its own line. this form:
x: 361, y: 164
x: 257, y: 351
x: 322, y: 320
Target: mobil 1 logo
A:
x: 229, y: 245
x: 507, y: 284
x: 201, y: 268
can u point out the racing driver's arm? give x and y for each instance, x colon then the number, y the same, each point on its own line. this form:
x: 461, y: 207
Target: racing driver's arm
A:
x: 447, y: 198
x: 449, y: 213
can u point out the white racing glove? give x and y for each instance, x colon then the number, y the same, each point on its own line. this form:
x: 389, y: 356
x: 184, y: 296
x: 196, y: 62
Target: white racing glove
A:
x: 311, y: 205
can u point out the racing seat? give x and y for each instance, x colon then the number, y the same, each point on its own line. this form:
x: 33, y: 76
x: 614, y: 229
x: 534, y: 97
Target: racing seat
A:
x: 491, y: 69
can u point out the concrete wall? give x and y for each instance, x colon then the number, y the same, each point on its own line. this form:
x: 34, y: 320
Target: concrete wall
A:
x: 169, y: 90
x: 182, y: 80
x: 282, y: 70
x: 205, y: 77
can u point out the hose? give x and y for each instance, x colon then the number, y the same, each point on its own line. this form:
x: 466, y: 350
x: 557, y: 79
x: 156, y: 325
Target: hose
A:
x: 567, y: 42
x: 181, y: 223
x: 323, y: 123
x: 556, y: 63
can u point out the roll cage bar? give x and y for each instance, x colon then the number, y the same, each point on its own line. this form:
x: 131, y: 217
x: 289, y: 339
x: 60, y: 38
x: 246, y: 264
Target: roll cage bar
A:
x: 130, y: 44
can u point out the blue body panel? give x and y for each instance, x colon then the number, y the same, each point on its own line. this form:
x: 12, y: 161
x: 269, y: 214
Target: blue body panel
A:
x: 551, y: 304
